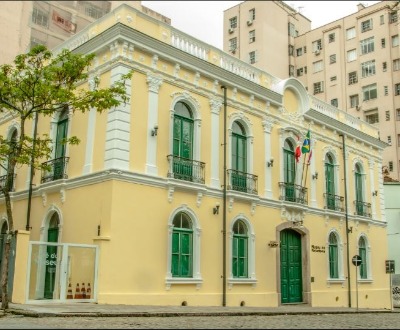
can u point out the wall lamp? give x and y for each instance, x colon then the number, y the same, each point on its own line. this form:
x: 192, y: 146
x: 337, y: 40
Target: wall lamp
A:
x: 375, y: 193
x: 315, y: 176
x: 216, y: 209
x: 154, y: 131
x: 270, y: 163
x: 350, y: 230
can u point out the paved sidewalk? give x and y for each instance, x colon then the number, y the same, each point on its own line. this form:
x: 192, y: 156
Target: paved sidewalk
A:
x: 105, y: 310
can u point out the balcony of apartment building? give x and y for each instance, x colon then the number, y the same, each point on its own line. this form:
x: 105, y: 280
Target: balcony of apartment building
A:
x: 54, y: 169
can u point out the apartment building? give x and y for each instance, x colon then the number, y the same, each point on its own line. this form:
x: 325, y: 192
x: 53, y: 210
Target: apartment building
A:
x: 253, y: 28
x: 24, y: 24
x: 352, y: 63
x: 193, y: 193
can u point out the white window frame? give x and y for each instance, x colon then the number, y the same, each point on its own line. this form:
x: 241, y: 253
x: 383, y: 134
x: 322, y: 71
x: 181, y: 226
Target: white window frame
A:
x: 368, y: 69
x: 196, y: 277
x: 351, y: 55
x: 351, y: 33
x: 251, y: 266
x: 318, y: 66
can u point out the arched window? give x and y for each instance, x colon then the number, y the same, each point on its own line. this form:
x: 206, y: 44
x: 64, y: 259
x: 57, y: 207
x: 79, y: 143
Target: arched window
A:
x: 240, y: 250
x: 333, y: 256
x: 359, y: 189
x: 289, y: 170
x: 330, y: 182
x: 183, y: 142
x: 362, y: 252
x: 239, y: 157
x: 182, y: 246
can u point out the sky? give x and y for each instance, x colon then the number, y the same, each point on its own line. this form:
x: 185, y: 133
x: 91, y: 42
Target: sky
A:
x: 204, y: 19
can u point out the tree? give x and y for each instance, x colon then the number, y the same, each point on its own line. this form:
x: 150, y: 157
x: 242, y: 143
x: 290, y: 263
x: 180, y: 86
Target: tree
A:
x: 40, y: 83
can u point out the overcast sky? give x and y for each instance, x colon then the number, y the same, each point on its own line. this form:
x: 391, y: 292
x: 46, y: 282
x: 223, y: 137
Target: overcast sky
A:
x: 204, y: 19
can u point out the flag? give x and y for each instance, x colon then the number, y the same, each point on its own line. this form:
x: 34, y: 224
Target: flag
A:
x: 306, y: 144
x: 297, y: 153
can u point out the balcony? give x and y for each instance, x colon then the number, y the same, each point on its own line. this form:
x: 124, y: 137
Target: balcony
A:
x: 241, y: 181
x: 55, y: 169
x: 334, y: 202
x: 3, y: 181
x: 362, y: 208
x: 291, y: 192
x: 186, y: 169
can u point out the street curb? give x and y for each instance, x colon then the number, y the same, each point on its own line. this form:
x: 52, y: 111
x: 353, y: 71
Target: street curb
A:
x: 179, y: 314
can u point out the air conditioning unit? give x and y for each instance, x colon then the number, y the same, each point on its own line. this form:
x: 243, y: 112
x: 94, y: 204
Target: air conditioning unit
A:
x: 249, y: 22
x: 231, y: 30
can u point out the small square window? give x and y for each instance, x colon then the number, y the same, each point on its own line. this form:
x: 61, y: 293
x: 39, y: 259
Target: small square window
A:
x: 391, y: 166
x: 332, y: 59
x: 331, y: 37
x: 385, y: 90
x: 387, y: 115
x: 335, y: 102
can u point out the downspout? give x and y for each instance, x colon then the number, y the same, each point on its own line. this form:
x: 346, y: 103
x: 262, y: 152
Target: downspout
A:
x: 347, y: 220
x: 32, y: 173
x: 224, y: 211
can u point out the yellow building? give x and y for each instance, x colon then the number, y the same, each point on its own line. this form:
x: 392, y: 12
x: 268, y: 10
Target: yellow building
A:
x: 193, y: 192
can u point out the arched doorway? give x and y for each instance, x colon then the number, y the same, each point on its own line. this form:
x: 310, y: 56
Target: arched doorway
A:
x: 291, y: 267
x: 51, y: 257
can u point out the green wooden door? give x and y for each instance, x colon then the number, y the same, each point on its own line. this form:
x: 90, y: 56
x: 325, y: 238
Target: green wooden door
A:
x: 183, y: 148
x: 289, y: 171
x: 239, y: 159
x: 51, y: 263
x: 330, y: 184
x: 359, y: 191
x: 291, y: 267
x: 62, y: 127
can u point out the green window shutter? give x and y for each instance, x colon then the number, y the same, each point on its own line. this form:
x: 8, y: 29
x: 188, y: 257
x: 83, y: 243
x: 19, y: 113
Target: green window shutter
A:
x: 239, y: 256
x: 242, y: 253
x: 363, y: 267
x: 333, y: 261
x: 175, y: 254
x: 182, y: 254
x: 62, y: 127
x: 330, y: 186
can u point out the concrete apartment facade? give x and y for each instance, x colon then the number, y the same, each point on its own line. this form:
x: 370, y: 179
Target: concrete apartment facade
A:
x: 25, y: 24
x: 191, y: 194
x: 352, y: 63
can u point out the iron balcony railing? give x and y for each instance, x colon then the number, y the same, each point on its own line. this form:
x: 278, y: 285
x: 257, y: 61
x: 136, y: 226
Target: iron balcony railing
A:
x: 334, y: 202
x: 3, y: 181
x: 55, y: 169
x: 362, y: 208
x: 291, y: 192
x: 186, y: 169
x: 241, y: 181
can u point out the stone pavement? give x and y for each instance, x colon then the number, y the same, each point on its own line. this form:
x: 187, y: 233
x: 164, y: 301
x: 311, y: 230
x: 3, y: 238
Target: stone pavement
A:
x: 105, y: 310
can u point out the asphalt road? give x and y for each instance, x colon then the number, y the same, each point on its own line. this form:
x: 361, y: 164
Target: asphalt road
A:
x: 314, y: 321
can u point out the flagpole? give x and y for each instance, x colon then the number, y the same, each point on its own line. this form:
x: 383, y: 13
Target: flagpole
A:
x: 302, y: 174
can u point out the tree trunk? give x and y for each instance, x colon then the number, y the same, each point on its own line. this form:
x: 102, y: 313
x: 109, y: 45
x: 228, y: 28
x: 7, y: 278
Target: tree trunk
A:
x: 6, y: 254
x: 4, y: 273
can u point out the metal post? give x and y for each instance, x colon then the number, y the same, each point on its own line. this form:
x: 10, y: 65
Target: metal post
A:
x: 224, y: 211
x: 357, y: 285
x: 390, y: 291
x: 32, y: 173
x: 347, y: 219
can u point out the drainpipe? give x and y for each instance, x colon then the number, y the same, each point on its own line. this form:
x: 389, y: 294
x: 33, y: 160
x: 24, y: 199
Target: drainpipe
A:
x: 224, y: 212
x: 347, y: 219
x: 32, y: 173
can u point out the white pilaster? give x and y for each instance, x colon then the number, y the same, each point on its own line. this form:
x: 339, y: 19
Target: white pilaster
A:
x: 154, y: 83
